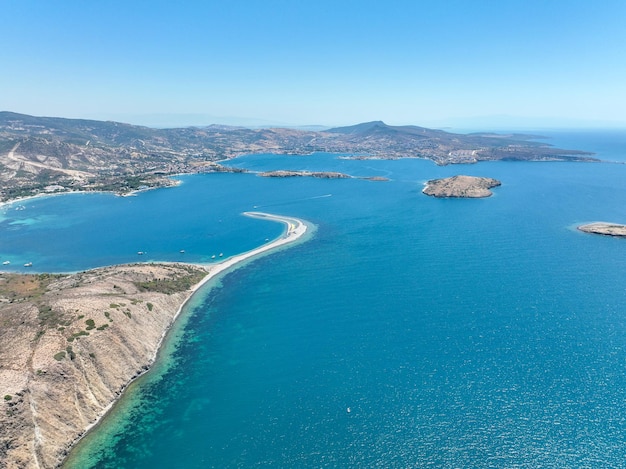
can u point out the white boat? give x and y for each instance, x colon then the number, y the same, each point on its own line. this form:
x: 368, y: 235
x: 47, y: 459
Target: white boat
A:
x: 140, y: 253
x: 221, y: 254
x: 6, y: 262
x: 28, y: 264
x: 213, y: 256
x: 182, y: 251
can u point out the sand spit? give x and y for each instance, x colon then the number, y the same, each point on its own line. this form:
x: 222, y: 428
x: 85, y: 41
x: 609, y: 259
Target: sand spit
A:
x: 71, y: 344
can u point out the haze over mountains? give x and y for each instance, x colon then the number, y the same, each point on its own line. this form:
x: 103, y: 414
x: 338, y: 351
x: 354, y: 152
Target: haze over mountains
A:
x: 44, y: 154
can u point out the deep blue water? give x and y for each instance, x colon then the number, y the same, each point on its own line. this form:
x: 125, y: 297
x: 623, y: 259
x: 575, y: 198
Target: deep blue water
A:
x: 460, y: 333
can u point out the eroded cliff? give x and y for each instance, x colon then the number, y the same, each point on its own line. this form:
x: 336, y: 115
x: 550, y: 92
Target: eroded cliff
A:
x: 69, y: 345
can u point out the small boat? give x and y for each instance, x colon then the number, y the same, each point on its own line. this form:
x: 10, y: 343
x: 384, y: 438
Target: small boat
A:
x: 348, y: 410
x: 182, y: 251
x: 213, y: 256
x: 6, y: 262
x: 221, y: 254
x: 140, y: 253
x: 28, y: 264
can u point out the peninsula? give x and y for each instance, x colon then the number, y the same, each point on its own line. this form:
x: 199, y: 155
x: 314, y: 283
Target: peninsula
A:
x: 461, y: 187
x: 71, y: 344
x: 605, y: 228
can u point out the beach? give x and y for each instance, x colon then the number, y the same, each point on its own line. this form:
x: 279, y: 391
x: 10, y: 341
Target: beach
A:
x: 295, y: 229
x: 105, y: 360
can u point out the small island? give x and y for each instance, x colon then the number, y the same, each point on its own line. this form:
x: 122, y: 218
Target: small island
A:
x: 604, y: 228
x: 461, y: 187
x: 321, y: 174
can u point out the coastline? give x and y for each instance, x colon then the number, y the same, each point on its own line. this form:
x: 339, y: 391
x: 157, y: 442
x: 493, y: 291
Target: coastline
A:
x: 7, y: 203
x: 295, y: 230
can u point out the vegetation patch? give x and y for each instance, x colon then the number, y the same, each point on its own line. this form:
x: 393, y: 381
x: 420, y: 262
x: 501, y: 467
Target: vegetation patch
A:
x: 102, y: 327
x: 91, y: 324
x: 173, y: 284
x: 149, y: 306
x: 19, y: 287
x: 76, y: 335
x: 49, y: 317
x: 8, y: 397
x: 59, y: 356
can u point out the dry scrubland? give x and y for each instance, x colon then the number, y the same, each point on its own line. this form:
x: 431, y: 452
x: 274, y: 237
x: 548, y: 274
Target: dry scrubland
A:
x: 70, y: 344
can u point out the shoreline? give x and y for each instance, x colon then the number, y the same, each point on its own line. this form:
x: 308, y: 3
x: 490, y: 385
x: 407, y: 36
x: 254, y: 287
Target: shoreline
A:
x: 295, y: 230
x: 7, y: 203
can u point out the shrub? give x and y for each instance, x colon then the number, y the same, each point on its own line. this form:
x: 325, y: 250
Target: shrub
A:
x: 59, y: 356
x: 149, y: 306
x: 70, y: 352
x: 8, y: 397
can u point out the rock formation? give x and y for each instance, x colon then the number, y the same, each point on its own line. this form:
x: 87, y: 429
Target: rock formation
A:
x: 461, y: 186
x: 604, y: 228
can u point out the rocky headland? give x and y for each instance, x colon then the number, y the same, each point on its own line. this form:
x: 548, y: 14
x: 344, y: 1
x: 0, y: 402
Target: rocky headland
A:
x: 70, y: 344
x: 604, y: 228
x: 461, y: 187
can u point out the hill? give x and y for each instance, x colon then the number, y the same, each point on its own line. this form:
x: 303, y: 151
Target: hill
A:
x: 48, y: 154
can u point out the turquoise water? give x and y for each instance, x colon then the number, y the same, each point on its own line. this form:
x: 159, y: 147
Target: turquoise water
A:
x: 460, y: 333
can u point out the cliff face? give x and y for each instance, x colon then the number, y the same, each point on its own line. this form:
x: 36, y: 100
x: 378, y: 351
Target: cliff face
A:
x: 69, y: 345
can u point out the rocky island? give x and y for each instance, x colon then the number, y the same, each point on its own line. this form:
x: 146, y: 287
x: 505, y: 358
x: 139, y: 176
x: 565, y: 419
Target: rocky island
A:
x: 320, y: 174
x: 461, y: 187
x: 604, y: 228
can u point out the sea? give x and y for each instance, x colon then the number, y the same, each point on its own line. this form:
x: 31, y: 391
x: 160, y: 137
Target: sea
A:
x: 407, y: 331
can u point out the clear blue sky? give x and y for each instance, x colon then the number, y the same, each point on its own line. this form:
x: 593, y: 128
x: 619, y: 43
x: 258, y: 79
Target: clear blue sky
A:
x: 334, y: 62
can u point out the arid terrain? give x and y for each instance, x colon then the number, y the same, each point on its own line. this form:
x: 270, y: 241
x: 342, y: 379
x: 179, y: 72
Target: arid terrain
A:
x: 461, y: 186
x: 70, y: 344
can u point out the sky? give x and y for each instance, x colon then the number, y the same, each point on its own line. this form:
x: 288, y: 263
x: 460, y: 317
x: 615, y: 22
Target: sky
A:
x: 489, y: 63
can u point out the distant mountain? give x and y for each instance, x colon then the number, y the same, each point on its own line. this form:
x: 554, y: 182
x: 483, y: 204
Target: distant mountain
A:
x: 39, y: 154
x: 380, y: 128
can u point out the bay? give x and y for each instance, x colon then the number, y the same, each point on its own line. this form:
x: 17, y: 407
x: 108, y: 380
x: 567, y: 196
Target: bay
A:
x: 459, y: 333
